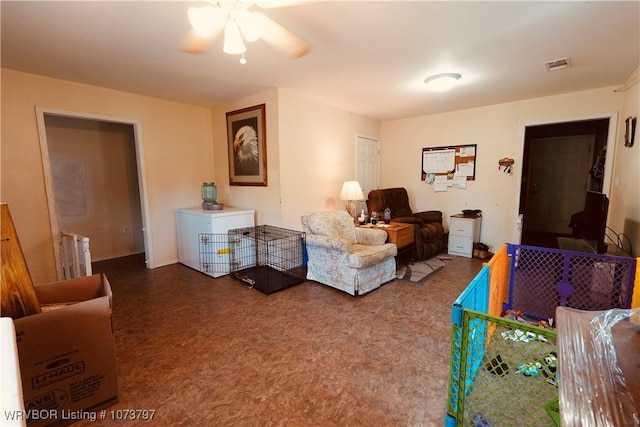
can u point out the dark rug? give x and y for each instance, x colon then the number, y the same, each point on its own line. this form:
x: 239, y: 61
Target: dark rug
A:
x: 419, y: 272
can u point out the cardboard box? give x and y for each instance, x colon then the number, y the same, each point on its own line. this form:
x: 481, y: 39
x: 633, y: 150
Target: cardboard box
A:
x: 67, y: 355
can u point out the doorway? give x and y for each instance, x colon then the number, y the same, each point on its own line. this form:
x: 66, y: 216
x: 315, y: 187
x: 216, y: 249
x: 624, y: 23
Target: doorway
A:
x: 561, y: 162
x: 94, y: 181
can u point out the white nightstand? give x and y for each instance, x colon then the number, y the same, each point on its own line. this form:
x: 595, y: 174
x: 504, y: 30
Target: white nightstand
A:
x: 464, y: 231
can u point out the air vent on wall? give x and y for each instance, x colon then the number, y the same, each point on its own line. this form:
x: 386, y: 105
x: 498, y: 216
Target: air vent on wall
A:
x: 558, y: 64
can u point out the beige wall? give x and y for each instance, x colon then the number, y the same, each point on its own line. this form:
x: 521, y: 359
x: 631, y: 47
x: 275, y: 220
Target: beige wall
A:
x: 315, y: 142
x: 264, y: 200
x: 625, y: 190
x: 177, y: 152
x: 310, y: 151
x: 498, y: 130
x: 318, y: 154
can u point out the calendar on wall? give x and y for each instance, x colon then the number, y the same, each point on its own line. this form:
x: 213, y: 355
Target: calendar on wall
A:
x: 454, y: 161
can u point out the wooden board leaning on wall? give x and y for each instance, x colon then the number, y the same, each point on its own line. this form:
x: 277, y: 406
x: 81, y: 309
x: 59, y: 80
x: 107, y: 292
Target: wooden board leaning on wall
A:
x: 17, y: 294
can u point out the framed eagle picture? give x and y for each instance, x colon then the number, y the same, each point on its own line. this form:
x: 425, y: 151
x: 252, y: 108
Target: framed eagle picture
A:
x: 247, y: 143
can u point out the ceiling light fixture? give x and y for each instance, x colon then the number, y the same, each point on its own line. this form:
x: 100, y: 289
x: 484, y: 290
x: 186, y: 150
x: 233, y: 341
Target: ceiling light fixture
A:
x: 442, y: 82
x: 240, y: 25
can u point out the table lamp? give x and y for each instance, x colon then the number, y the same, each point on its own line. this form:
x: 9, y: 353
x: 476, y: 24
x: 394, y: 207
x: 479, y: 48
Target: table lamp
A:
x: 351, y: 192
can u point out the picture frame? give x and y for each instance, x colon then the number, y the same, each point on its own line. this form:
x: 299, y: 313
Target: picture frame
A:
x: 247, y: 146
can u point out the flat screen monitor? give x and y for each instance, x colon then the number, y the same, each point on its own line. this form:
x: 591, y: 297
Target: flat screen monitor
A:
x: 596, y: 207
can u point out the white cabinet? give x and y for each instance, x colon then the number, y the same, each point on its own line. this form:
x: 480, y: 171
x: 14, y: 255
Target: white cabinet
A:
x: 198, y: 228
x: 464, y: 231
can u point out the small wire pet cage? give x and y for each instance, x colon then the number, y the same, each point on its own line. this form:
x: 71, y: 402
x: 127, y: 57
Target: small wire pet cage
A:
x: 268, y: 258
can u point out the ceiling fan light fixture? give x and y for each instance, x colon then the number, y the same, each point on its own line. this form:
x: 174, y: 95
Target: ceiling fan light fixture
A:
x: 249, y: 23
x: 233, y: 42
x: 442, y: 82
x: 203, y: 19
x: 237, y: 25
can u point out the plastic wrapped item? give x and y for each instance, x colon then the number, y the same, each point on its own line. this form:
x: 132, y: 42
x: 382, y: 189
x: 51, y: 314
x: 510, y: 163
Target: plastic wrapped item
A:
x: 599, y: 366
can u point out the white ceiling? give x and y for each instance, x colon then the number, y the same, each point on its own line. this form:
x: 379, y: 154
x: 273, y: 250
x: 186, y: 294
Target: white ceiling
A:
x: 369, y: 57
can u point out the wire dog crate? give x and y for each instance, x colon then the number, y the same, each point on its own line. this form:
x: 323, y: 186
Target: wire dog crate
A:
x: 268, y: 258
x: 213, y: 254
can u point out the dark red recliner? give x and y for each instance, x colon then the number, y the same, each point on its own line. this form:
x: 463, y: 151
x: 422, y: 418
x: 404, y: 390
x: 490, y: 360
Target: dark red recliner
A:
x: 430, y: 236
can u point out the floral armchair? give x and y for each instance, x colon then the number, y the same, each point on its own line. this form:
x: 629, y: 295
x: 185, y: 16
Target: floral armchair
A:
x: 340, y: 255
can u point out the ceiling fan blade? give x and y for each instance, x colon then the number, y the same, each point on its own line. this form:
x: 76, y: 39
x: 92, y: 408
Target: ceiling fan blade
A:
x: 207, y: 24
x: 282, y: 39
x: 206, y: 20
x: 194, y: 43
x: 250, y: 24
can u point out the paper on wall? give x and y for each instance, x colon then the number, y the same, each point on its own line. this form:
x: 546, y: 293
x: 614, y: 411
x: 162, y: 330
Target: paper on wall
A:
x: 465, y: 169
x: 459, y: 181
x: 439, y: 161
x: 467, y: 152
x: 440, y: 183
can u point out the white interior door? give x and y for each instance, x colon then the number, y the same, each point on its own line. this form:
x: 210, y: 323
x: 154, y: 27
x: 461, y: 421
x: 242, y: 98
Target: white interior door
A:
x: 367, y: 165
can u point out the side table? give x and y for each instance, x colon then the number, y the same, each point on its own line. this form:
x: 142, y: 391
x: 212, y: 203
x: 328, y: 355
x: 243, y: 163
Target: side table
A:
x: 398, y: 233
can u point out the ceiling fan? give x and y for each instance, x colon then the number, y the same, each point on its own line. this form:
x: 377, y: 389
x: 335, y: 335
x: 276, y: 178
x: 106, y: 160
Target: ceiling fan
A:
x: 239, y: 23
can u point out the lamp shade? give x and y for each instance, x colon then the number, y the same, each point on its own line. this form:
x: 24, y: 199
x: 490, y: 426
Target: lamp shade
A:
x: 351, y: 191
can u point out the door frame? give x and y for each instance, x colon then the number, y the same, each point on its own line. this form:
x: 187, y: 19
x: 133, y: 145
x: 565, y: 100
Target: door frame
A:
x: 608, y: 164
x: 362, y: 204
x: 41, y: 112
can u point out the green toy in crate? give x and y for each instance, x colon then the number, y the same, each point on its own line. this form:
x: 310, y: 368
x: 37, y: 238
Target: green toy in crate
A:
x: 553, y: 410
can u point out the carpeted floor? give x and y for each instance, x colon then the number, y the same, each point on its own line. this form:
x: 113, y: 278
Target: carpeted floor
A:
x: 201, y: 351
x: 419, y: 272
